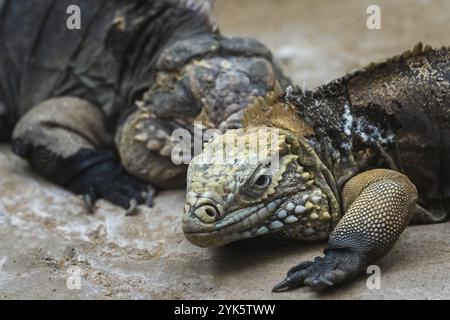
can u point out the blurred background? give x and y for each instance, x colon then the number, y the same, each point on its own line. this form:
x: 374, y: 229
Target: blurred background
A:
x: 318, y: 41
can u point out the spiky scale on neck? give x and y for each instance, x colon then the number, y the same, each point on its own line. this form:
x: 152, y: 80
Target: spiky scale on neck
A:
x: 273, y: 111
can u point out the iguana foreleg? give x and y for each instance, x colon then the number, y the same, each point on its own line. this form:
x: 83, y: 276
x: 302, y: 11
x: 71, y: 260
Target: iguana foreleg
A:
x: 65, y: 140
x: 378, y: 204
x: 145, y: 145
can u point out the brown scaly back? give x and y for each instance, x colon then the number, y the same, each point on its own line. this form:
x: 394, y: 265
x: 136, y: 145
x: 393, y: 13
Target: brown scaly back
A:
x: 417, y: 50
x: 423, y: 66
x: 272, y: 111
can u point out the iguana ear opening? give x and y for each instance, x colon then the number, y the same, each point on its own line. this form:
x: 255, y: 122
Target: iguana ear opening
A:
x: 273, y: 111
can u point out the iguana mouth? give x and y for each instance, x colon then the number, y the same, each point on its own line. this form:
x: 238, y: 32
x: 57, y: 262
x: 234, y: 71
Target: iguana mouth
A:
x: 261, y: 219
x: 236, y: 225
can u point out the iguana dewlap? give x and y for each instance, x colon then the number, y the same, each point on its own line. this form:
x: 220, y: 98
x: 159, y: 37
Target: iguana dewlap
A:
x: 93, y: 109
x: 356, y: 160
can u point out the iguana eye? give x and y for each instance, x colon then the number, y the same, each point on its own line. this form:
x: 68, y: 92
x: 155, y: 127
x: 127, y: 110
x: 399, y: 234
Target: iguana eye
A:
x: 262, y: 182
x: 257, y: 183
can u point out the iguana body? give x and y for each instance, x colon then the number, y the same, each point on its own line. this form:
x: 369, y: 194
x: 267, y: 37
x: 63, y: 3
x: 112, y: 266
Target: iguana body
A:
x: 358, y: 158
x: 135, y: 71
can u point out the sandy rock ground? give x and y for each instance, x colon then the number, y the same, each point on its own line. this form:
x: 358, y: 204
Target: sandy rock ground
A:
x: 48, y: 241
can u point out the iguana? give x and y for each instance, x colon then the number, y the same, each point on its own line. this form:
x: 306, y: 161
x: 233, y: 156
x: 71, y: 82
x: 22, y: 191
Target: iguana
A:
x: 358, y: 159
x: 93, y: 109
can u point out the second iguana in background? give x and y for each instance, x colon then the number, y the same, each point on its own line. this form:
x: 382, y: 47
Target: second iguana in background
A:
x: 358, y: 159
x: 93, y: 109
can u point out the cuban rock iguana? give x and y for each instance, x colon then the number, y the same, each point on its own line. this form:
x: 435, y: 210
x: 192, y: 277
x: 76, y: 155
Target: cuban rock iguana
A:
x: 359, y: 158
x: 135, y: 70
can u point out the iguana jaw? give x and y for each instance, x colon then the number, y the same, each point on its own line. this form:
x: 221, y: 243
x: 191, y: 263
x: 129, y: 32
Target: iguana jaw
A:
x: 222, y: 205
x: 240, y: 224
x: 268, y: 218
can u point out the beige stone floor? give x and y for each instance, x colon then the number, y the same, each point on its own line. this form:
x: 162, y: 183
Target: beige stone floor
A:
x: 45, y: 231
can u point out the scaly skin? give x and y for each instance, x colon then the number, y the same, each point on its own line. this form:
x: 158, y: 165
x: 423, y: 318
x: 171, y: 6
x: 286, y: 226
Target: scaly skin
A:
x: 351, y: 155
x: 93, y: 109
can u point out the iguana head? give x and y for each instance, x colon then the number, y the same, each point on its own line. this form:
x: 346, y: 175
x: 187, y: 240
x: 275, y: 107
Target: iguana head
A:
x: 205, y: 78
x: 262, y: 179
x: 211, y: 77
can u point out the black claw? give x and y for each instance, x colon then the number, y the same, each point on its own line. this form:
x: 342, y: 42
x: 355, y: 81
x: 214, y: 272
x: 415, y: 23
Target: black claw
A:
x: 282, y: 286
x: 327, y: 282
x: 302, y: 266
x: 291, y: 281
x: 89, y: 202
x: 150, y: 196
x: 132, y: 209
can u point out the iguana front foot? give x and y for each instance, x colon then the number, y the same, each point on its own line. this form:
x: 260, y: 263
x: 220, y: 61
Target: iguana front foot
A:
x: 118, y: 187
x: 335, y: 267
x: 65, y: 140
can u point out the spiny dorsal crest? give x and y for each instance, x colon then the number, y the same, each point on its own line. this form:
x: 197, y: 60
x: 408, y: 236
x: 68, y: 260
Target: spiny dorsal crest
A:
x: 261, y: 106
x: 273, y: 111
x: 419, y: 49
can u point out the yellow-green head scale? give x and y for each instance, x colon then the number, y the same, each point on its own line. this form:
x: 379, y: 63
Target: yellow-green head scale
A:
x: 258, y: 181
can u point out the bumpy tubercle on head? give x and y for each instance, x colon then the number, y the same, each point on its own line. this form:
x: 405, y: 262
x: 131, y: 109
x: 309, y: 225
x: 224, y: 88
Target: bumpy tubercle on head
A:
x: 292, y: 206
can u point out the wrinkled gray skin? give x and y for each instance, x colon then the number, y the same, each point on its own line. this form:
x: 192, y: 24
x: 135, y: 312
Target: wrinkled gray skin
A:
x: 93, y: 109
x: 213, y: 90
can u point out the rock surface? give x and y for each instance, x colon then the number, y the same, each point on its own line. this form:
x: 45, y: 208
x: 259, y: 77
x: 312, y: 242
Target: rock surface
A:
x: 47, y: 238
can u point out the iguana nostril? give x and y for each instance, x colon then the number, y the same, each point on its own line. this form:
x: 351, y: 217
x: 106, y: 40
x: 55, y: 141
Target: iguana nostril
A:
x: 207, y: 213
